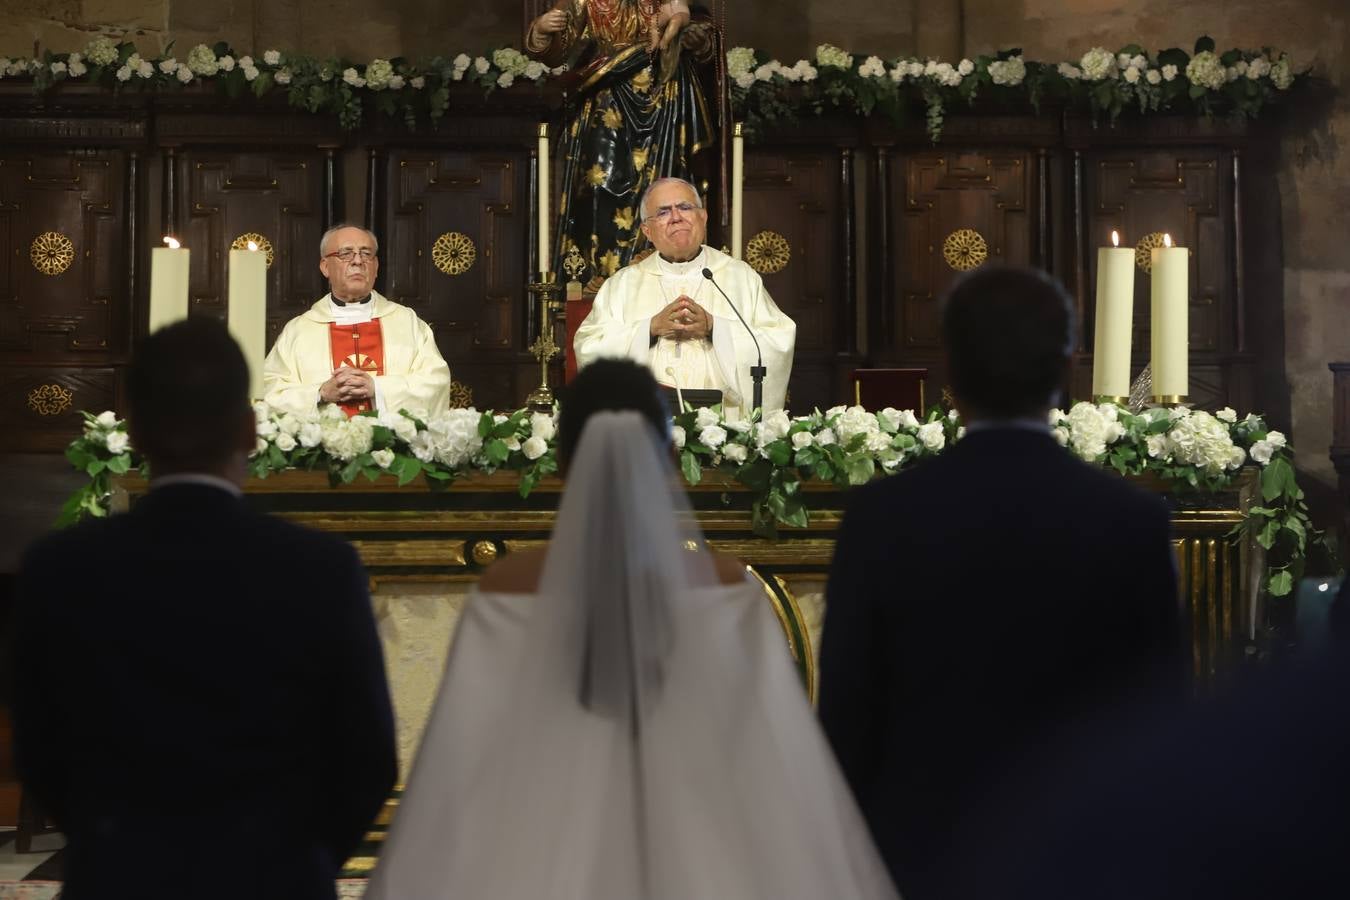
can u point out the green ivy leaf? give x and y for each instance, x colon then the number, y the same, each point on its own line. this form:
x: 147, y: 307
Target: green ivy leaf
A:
x: 94, y: 467
x: 496, y: 451
x: 690, y: 467
x: 406, y: 468
x: 1280, y: 584
x: 120, y: 464
x: 1277, y: 478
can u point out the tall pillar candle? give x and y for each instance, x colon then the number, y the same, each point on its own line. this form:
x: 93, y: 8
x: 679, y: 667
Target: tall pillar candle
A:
x: 545, y: 249
x: 1170, y: 297
x: 168, y: 284
x: 248, y: 310
x: 737, y: 192
x: 1114, y: 321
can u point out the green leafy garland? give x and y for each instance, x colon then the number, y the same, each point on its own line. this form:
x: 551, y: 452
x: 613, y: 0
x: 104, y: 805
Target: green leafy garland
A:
x: 1236, y: 82
x: 773, y: 457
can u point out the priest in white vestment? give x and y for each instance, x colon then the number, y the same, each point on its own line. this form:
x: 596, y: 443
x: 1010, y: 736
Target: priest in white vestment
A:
x: 664, y: 313
x: 354, y: 347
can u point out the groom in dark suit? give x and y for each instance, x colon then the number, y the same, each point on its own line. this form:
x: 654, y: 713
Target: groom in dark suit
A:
x: 984, y: 605
x: 200, y: 700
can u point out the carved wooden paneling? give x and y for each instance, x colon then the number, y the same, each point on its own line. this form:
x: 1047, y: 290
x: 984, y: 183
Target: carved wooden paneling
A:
x: 40, y: 405
x: 277, y: 194
x: 63, y: 279
x: 1175, y: 192
x: 467, y: 211
x: 793, y: 207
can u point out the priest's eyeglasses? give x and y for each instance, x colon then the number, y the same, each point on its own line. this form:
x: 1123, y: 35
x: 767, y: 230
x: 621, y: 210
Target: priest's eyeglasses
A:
x: 347, y: 254
x: 662, y: 213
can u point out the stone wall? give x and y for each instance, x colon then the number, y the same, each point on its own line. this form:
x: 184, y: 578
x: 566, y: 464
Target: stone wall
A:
x: 1314, y: 177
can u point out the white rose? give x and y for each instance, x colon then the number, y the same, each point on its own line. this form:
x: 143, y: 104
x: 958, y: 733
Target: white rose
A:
x: 505, y: 80
x: 1139, y: 61
x: 764, y: 73
x: 889, y: 419
x: 117, y: 442
x: 272, y: 57
x: 124, y: 73
x: 542, y: 426
x: 283, y: 77
x: 352, y: 77
x: 285, y: 442
x: 1056, y: 416
x: 1132, y: 75
x: 953, y: 415
x: 740, y: 426
x: 1262, y: 452
x: 423, y: 446
x: 396, y: 82
x: 1275, y: 438
x: 802, y: 439
x: 713, y: 436
x: 418, y: 82
x: 311, y: 434
x: 184, y: 74
x: 1227, y: 414
x: 226, y: 63
x: 481, y: 65
x: 965, y: 67
x: 775, y: 426
x: 677, y: 436
x: 1237, y: 458
x: 745, y: 80
x: 534, y: 447
x: 462, y: 61
x: 1123, y: 60
x: 707, y: 417
x: 931, y: 436
x: 1153, y: 76
x: 146, y: 69
x: 535, y: 70
x: 106, y: 419
x: 250, y: 72
x: 245, y: 62
x: 826, y: 437
x: 383, y: 458
x: 1069, y: 71
x: 1062, y: 436
x: 75, y: 67
x: 735, y: 452
x: 908, y: 419
x: 1169, y: 72
x: 1157, y: 446
x: 259, y: 446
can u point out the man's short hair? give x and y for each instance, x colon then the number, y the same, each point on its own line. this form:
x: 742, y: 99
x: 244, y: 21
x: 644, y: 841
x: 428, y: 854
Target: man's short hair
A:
x: 1009, y: 333
x: 642, y: 204
x: 187, y: 389
x: 323, y: 240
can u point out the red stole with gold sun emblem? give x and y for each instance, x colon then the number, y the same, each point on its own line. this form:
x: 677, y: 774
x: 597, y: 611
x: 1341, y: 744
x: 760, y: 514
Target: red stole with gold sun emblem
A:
x: 357, y: 347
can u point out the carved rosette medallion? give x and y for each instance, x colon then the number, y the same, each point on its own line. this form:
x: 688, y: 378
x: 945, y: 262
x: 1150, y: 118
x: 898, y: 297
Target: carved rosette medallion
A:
x: 454, y: 253
x: 264, y: 245
x: 51, y: 252
x: 768, y: 252
x: 1143, y: 251
x: 965, y: 249
x: 461, y: 395
x: 484, y: 552
x: 50, y: 399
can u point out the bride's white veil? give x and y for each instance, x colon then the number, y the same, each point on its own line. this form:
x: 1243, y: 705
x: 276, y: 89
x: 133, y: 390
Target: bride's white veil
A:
x: 648, y: 738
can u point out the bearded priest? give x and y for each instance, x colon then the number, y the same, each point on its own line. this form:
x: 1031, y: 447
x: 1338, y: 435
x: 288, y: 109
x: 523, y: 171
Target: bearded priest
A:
x: 663, y: 312
x: 354, y: 347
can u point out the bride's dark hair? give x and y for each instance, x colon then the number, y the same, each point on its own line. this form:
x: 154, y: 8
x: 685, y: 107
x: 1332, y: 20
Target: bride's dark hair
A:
x: 609, y: 384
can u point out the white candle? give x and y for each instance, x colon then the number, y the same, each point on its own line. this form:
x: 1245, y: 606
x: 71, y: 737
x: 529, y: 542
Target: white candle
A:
x: 1170, y: 297
x: 168, y: 284
x: 248, y: 310
x: 1114, y: 321
x: 545, y: 249
x: 737, y: 191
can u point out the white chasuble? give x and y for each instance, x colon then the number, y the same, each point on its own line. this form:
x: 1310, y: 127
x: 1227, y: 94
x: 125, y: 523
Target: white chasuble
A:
x: 416, y: 376
x: 619, y: 325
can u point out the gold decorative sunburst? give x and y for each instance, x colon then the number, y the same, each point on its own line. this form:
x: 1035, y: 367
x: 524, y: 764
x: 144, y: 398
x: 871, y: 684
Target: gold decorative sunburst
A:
x: 454, y: 253
x: 264, y: 245
x: 768, y: 252
x: 51, y: 252
x: 965, y: 249
x: 461, y: 395
x: 1143, y: 251
x: 50, y: 399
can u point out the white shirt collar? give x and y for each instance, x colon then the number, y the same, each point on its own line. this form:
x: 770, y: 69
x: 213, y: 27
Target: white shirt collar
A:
x: 351, y: 313
x: 201, y: 478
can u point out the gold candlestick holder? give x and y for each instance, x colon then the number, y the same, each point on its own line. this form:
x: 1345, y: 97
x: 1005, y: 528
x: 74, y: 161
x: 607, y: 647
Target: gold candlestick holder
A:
x: 546, y: 292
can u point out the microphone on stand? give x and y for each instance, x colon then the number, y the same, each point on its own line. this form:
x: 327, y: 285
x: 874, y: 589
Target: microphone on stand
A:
x: 679, y: 395
x: 757, y: 372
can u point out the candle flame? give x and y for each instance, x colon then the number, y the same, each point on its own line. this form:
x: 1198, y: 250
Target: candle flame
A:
x: 253, y: 245
x: 1115, y: 239
x: 172, y: 242
x: 1167, y: 240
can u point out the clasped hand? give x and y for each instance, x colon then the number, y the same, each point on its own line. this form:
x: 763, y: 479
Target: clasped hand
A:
x: 348, y: 385
x: 683, y: 320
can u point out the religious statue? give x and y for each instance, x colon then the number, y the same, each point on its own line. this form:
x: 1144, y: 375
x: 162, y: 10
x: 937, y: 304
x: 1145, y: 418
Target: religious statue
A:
x: 641, y: 115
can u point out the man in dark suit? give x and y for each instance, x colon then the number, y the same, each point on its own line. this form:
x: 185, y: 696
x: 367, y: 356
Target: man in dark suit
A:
x: 200, y: 701
x: 984, y: 604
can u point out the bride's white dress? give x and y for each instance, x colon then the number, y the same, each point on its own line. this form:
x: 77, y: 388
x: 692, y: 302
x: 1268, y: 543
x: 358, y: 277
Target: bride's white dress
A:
x: 672, y: 757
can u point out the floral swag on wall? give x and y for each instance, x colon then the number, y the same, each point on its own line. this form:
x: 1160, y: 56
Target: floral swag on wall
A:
x: 1205, y: 82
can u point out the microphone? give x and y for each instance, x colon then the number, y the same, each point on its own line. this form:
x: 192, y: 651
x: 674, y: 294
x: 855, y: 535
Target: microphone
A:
x: 679, y: 395
x: 757, y: 372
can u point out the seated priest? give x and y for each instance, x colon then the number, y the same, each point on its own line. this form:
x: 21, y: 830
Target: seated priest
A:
x: 666, y: 313
x: 354, y: 347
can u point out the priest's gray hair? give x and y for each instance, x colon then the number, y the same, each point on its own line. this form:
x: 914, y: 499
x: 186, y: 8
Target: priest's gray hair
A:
x: 323, y: 241
x: 642, y: 206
